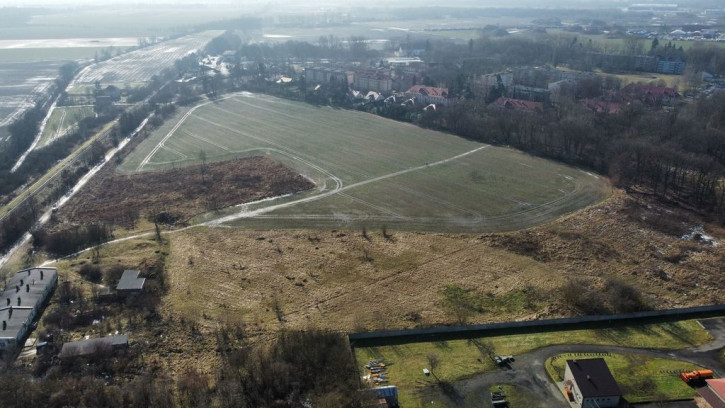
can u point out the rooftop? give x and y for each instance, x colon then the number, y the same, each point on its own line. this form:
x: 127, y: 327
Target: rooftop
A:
x: 429, y: 90
x: 21, y: 297
x: 130, y: 281
x: 593, y: 378
x: 718, y: 386
x: 85, y: 347
x: 518, y: 105
x: 14, y: 319
x: 29, y: 285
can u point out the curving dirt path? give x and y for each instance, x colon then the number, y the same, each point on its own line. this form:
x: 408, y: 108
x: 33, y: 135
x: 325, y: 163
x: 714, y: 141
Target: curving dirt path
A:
x: 528, y: 371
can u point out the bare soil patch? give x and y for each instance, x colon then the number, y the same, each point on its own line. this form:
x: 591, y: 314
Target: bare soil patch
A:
x: 179, y: 194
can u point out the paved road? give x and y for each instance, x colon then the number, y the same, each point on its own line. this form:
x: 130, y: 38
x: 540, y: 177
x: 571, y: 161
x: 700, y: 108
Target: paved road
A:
x: 528, y: 373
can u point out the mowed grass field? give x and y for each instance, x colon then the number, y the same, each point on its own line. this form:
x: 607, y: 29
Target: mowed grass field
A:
x: 61, y: 121
x: 369, y: 170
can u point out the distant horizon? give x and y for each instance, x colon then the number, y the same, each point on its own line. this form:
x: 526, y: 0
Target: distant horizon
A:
x: 568, y: 4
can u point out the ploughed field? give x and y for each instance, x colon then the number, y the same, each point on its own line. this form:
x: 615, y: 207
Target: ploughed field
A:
x: 20, y: 85
x: 368, y: 170
x: 141, y: 65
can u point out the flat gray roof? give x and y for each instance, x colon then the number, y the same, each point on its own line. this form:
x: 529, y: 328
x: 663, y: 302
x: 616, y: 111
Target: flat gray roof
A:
x: 90, y: 346
x: 30, y: 285
x: 130, y: 281
x: 22, y: 296
x: 14, y: 323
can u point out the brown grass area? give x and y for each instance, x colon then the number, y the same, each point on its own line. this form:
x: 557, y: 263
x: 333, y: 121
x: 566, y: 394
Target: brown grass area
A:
x: 181, y: 193
x: 340, y: 280
x: 275, y: 279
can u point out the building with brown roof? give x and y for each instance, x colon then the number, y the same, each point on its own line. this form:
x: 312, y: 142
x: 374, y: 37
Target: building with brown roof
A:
x: 518, y: 105
x: 425, y: 95
x: 714, y: 393
x: 602, y: 106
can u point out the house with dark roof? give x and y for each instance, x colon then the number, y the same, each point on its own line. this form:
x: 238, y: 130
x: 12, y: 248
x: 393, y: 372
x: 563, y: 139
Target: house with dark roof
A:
x: 130, y: 283
x: 518, y: 105
x: 589, y: 384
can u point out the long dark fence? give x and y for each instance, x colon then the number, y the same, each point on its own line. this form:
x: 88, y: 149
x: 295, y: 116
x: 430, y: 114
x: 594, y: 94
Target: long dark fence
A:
x: 443, y: 333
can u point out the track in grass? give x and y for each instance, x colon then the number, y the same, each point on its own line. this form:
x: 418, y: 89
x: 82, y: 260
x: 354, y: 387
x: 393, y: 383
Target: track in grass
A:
x: 369, y: 170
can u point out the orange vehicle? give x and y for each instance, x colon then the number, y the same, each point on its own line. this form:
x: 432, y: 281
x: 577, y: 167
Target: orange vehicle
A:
x: 696, y: 375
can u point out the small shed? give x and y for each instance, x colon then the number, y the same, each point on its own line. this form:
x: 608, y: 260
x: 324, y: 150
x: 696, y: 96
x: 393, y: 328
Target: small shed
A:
x: 130, y: 283
x: 91, y: 346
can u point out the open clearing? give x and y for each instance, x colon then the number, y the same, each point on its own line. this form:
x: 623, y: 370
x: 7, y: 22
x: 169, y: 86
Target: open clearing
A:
x: 141, y: 65
x: 62, y: 120
x: 369, y: 170
x: 21, y: 84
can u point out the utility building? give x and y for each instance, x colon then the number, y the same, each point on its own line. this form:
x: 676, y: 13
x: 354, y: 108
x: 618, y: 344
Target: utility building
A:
x: 21, y: 301
x: 130, y: 283
x: 589, y: 384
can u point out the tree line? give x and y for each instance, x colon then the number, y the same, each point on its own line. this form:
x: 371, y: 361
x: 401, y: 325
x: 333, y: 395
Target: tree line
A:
x: 677, y: 155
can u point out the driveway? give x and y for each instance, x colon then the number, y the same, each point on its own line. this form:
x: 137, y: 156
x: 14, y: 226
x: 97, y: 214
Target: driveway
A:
x: 527, y: 373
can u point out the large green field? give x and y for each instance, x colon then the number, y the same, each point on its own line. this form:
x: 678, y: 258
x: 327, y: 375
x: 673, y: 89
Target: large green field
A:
x: 369, y: 170
x: 62, y: 120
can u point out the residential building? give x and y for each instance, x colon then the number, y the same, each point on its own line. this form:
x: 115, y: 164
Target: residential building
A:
x: 530, y: 93
x: 21, y: 301
x: 649, y: 94
x: 671, y: 65
x: 599, y: 106
x: 373, y: 80
x: 589, y: 384
x: 425, y: 95
x: 490, y: 81
x: 714, y: 393
x: 130, y: 283
x: 328, y: 74
x: 645, y: 63
x: 562, y: 89
x: 91, y: 346
x: 518, y: 105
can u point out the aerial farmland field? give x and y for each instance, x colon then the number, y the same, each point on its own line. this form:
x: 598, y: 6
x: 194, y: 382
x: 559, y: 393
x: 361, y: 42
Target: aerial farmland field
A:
x: 63, y: 120
x: 20, y: 85
x: 368, y: 170
x: 141, y: 65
